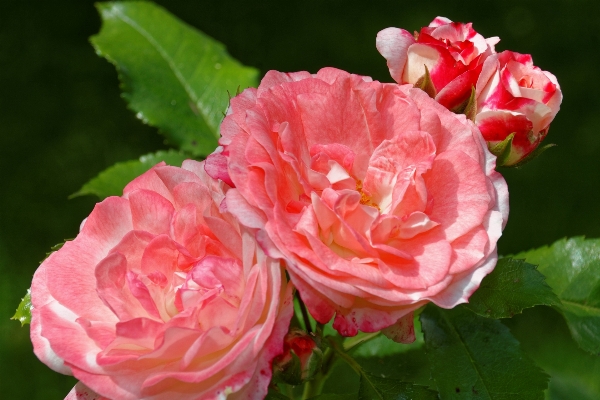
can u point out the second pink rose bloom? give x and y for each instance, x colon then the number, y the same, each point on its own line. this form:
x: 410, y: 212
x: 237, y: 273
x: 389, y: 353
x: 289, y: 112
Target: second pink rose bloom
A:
x: 379, y: 199
x: 511, y: 95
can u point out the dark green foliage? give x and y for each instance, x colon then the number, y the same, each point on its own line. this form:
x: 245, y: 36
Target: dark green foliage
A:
x: 173, y: 76
x: 572, y: 269
x: 477, y: 358
x: 513, y: 286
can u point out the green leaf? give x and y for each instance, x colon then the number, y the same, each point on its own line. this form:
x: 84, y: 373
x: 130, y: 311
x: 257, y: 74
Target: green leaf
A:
x: 23, y: 313
x: 54, y: 248
x: 513, y: 286
x: 333, y: 396
x: 477, y: 358
x: 373, y: 387
x: 174, y: 77
x: 572, y: 269
x: 112, y: 180
x: 544, y: 335
x: 405, y: 362
x: 273, y: 394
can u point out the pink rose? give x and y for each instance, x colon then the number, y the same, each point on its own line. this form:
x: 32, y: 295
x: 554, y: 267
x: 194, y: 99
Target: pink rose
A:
x: 452, y: 52
x: 515, y: 96
x: 161, y: 296
x: 378, y: 198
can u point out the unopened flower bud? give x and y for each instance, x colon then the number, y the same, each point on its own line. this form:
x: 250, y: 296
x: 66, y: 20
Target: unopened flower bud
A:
x: 301, y: 358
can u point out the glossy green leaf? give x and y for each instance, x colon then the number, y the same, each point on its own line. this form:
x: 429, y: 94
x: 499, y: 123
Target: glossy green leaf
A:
x: 373, y: 387
x: 23, y: 313
x: 545, y: 337
x: 513, y: 286
x: 173, y: 76
x: 333, y: 396
x: 477, y: 358
x: 572, y: 269
x: 380, y: 345
x: 112, y: 180
x: 275, y: 395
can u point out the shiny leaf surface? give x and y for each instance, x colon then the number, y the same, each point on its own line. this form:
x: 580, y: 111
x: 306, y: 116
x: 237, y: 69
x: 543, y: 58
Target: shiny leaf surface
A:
x: 513, y: 286
x: 572, y: 269
x: 173, y: 76
x: 477, y: 358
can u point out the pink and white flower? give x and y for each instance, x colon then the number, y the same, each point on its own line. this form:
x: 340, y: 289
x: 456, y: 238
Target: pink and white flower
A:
x: 452, y: 52
x: 379, y: 199
x: 511, y: 95
x: 162, y: 295
x: 515, y: 96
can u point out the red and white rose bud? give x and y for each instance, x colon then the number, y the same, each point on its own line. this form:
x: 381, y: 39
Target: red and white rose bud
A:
x: 515, y: 97
x: 301, y: 359
x: 511, y: 101
x: 452, y: 53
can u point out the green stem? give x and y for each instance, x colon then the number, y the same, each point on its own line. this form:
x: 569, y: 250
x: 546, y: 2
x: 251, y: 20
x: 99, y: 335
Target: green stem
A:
x: 289, y: 391
x: 305, y: 316
x: 342, y: 354
x: 359, y: 339
x: 314, y: 387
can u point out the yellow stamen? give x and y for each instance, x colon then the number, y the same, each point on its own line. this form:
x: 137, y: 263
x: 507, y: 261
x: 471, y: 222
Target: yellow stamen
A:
x: 364, y: 199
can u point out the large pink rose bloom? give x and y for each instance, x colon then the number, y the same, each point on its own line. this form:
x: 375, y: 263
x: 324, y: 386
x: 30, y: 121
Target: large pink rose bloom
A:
x: 162, y: 296
x: 378, y: 198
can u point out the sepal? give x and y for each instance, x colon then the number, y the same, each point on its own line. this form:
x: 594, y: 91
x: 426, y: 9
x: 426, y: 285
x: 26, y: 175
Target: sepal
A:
x: 301, y: 359
x: 426, y: 84
x: 502, y: 150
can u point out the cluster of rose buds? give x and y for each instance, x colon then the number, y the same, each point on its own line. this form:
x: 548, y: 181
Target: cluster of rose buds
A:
x: 372, y: 198
x: 511, y: 101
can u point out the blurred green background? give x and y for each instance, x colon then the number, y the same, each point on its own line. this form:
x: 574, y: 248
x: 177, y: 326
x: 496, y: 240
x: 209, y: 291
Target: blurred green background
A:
x: 62, y: 119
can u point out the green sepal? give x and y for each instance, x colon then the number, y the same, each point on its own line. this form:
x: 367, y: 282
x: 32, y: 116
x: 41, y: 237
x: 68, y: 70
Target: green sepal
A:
x: 23, y: 312
x: 471, y: 108
x: 468, y: 106
x: 502, y: 150
x: 533, y: 155
x: 426, y: 84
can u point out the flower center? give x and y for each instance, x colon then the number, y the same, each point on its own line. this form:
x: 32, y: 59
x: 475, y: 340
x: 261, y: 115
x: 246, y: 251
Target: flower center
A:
x: 364, y: 198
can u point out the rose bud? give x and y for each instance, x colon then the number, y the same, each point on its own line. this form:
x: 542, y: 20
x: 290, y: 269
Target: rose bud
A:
x: 444, y: 59
x: 511, y: 100
x: 516, y: 102
x: 301, y: 358
x: 378, y: 198
x: 162, y: 295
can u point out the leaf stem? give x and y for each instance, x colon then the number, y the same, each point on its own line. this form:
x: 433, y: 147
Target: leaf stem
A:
x: 314, y: 387
x: 305, y: 316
